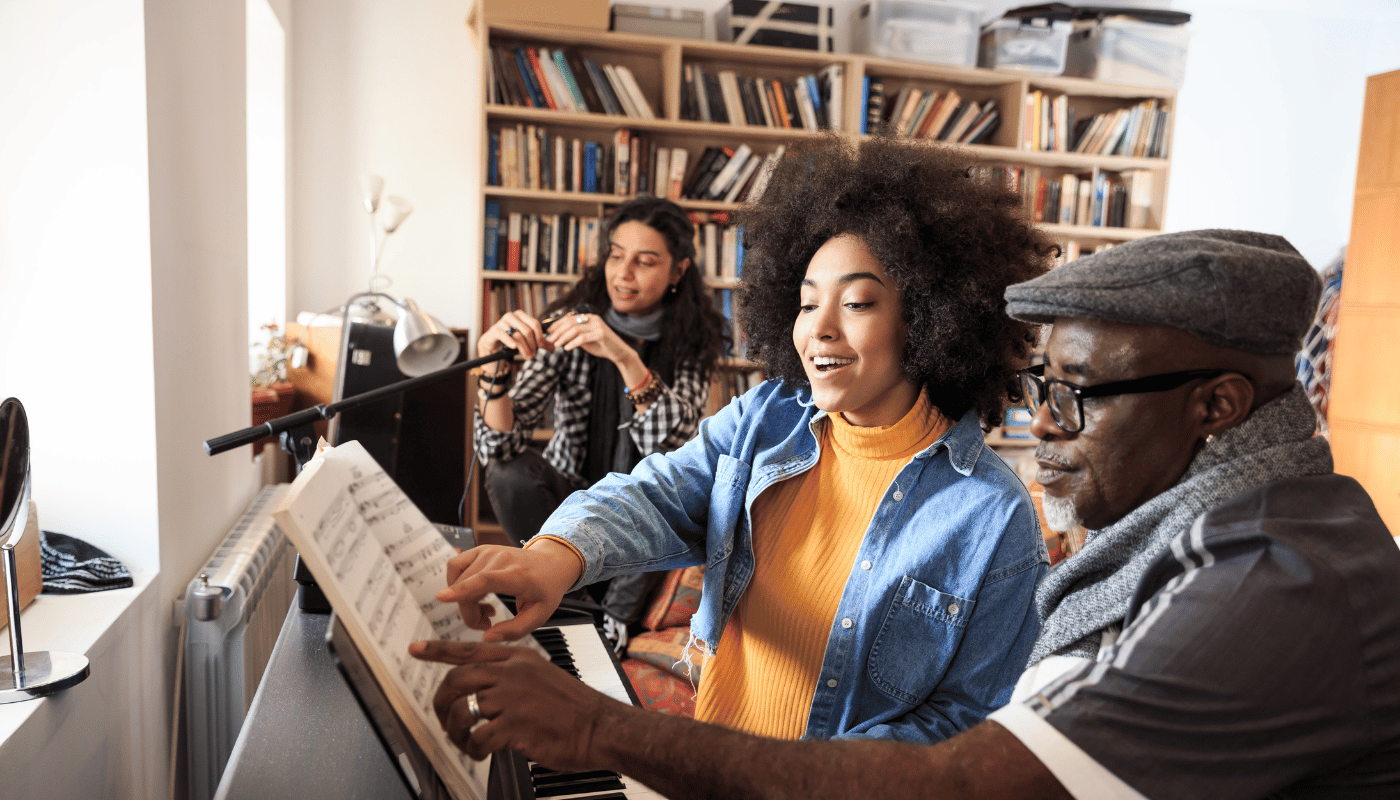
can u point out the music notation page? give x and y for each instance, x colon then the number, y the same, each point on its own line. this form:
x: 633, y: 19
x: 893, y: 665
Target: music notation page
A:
x: 379, y: 562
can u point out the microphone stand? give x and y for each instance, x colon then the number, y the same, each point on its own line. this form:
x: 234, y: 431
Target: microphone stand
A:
x: 296, y: 432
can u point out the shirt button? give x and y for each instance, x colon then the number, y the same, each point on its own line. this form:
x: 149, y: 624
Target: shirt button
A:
x: 898, y: 495
x: 846, y: 623
x: 953, y: 609
x: 865, y: 565
x: 831, y: 683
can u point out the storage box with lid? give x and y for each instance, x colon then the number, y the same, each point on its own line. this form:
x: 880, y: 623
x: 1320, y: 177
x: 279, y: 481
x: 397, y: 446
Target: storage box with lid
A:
x: 805, y: 26
x: 1130, y: 50
x: 686, y: 23
x: 1031, y: 43
x: 934, y: 31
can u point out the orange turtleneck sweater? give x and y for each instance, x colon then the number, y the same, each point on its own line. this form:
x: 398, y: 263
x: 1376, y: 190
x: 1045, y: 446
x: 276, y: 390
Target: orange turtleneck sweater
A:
x: 807, y: 531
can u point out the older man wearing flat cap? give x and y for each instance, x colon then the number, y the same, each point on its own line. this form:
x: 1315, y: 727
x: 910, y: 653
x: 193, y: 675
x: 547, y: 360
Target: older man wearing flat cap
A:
x: 1230, y: 629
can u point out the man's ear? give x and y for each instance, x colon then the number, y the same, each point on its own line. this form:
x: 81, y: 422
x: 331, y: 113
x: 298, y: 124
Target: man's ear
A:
x: 682, y: 267
x: 1228, y: 399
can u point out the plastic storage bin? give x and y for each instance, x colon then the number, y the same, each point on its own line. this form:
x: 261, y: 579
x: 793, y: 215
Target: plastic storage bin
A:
x: 918, y: 30
x: 1028, y: 44
x: 805, y: 26
x: 1124, y: 50
x: 658, y: 20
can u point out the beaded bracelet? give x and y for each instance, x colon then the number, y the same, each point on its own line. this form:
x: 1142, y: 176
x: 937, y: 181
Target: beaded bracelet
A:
x: 647, y: 392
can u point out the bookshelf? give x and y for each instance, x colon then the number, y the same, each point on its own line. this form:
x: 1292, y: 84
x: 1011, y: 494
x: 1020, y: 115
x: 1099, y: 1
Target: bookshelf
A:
x: 659, y: 65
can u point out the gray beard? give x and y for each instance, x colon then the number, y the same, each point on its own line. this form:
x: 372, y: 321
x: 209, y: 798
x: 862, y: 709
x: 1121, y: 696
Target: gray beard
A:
x: 1059, y: 513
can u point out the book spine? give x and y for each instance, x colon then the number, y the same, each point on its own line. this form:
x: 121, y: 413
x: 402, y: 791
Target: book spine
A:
x: 562, y: 65
x: 527, y: 76
x: 491, y: 237
x: 541, y: 79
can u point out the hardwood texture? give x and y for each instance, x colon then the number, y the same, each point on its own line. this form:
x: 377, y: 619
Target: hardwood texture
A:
x: 1364, y: 408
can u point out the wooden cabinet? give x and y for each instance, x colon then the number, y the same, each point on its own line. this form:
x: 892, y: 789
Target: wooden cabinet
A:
x: 659, y: 65
x: 1364, y: 402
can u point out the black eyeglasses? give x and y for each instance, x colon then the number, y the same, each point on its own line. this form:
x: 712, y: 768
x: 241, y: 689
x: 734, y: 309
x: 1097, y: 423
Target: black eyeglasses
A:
x: 1067, y: 400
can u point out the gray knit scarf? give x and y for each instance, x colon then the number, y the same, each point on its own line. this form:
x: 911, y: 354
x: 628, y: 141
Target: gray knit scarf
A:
x: 1089, y: 592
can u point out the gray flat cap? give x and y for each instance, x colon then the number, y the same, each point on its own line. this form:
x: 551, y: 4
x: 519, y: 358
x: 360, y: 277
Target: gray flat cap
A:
x: 1235, y: 289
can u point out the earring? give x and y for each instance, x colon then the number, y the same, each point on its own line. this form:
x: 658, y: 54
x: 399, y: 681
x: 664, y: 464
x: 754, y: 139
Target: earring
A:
x: 674, y: 288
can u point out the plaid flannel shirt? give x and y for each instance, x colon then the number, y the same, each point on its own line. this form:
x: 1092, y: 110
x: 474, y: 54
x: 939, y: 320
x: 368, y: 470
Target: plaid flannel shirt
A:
x: 567, y: 375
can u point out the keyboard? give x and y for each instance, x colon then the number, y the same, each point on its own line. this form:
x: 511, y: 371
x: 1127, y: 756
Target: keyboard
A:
x: 580, y: 650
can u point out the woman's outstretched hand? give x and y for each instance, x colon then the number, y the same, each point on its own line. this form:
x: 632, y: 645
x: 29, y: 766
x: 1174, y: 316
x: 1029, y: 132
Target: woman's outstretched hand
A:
x: 538, y: 577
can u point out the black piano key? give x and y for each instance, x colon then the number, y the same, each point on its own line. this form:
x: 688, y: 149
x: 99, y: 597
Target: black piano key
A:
x: 580, y: 787
x: 555, y: 778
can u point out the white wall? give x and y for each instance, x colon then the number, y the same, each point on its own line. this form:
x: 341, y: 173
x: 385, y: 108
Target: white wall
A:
x: 385, y: 87
x: 1269, y: 116
x: 122, y: 259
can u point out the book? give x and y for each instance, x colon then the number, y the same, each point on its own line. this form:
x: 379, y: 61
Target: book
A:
x: 679, y: 158
x: 765, y: 170
x: 961, y: 123
x: 695, y: 79
x: 720, y: 185
x: 513, y: 224
x: 787, y: 97
x: 622, y: 156
x: 875, y: 105
x: 575, y: 91
x: 832, y: 82
x: 533, y: 59
x: 591, y: 101
x: 493, y: 158
x: 379, y: 562
x: 661, y: 172
x: 745, y: 175
x: 639, y: 100
x: 714, y: 94
x: 599, y: 79
x: 527, y: 77
x: 735, y: 107
x: 491, y: 236
x: 921, y: 110
x: 865, y: 103
x: 983, y: 128
x: 558, y: 88
x: 722, y: 156
x: 901, y: 99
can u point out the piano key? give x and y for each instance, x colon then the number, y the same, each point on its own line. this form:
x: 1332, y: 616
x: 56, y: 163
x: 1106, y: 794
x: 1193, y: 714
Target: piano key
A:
x: 582, y: 651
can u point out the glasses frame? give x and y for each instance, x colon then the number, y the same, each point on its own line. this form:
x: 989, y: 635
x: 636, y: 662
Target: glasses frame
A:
x: 1035, y: 377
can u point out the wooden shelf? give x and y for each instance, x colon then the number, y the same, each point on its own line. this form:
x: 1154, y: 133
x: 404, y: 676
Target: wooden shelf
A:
x: 658, y: 64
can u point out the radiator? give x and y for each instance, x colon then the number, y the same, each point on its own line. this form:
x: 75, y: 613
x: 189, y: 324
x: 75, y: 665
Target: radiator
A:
x: 234, y: 609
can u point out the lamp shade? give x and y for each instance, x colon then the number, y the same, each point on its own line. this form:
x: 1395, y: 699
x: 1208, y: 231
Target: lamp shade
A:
x: 422, y: 344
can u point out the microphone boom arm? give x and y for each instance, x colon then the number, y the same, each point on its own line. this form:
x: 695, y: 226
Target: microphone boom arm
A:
x: 305, y: 417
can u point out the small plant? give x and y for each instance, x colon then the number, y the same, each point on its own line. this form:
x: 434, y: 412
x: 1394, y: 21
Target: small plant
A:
x: 271, y: 364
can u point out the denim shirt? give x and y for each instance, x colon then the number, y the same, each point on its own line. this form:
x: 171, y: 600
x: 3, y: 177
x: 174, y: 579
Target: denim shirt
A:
x: 937, y: 618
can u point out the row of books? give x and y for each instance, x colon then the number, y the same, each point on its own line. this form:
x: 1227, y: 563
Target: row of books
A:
x: 532, y: 297
x: 941, y: 116
x: 1103, y: 199
x: 627, y: 162
x: 555, y: 244
x: 1139, y: 131
x: 731, y: 174
x: 561, y: 80
x: 1073, y: 249
x: 807, y: 102
x: 719, y: 246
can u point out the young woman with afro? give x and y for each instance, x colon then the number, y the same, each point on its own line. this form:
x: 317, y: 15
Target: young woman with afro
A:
x: 870, y: 563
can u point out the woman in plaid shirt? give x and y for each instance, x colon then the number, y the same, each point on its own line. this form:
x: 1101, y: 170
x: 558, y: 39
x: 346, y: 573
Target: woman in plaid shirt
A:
x: 626, y: 361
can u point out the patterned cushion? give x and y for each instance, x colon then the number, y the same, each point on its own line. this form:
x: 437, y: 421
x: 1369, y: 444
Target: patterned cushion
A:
x: 676, y: 599
x: 659, y: 690
x: 663, y: 650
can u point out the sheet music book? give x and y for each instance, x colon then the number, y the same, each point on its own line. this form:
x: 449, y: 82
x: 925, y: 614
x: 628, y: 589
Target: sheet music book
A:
x: 379, y: 562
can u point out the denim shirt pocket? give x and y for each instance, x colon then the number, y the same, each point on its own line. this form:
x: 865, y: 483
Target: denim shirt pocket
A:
x: 917, y: 640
